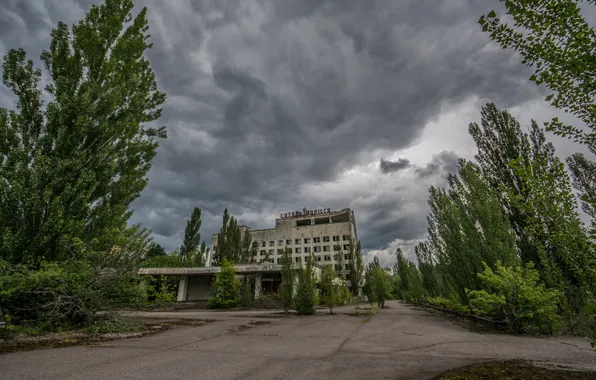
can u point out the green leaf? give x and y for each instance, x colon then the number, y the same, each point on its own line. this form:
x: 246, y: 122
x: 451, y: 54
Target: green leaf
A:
x: 491, y: 14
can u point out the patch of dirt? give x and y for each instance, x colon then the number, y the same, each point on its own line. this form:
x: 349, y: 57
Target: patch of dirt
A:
x: 250, y: 325
x: 513, y: 370
x: 24, y: 342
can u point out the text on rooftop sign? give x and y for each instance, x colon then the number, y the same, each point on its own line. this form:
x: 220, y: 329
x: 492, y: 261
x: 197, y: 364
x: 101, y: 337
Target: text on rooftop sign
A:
x: 304, y: 212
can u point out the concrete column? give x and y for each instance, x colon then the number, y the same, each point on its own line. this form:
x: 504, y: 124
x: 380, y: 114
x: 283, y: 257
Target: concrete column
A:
x: 182, y: 288
x: 258, y: 283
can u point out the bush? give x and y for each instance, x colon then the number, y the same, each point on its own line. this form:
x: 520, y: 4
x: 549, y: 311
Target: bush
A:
x: 226, y: 288
x: 516, y: 295
x: 246, y: 294
x: 264, y: 302
x: 161, y: 290
x: 56, y: 294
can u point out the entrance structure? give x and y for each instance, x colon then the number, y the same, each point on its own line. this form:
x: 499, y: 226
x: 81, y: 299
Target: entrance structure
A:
x: 195, y: 283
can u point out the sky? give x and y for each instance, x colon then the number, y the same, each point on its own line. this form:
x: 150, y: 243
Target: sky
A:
x: 277, y: 105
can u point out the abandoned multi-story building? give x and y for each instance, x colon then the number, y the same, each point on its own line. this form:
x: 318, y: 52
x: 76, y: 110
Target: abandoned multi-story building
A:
x: 318, y: 232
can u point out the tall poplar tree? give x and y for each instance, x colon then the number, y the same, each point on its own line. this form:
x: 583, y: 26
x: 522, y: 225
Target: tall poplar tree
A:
x: 192, y: 234
x: 583, y: 172
x: 69, y: 169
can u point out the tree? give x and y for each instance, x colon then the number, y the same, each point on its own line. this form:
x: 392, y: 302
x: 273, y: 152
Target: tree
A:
x: 356, y: 266
x: 555, y: 39
x: 305, y: 293
x: 287, y: 279
x: 155, y: 250
x: 229, y: 243
x: 70, y: 170
x: 246, y: 255
x: 226, y: 287
x: 428, y: 269
x: 339, y: 259
x: 377, y: 283
x: 192, y: 235
x: 583, y: 172
x: 329, y: 287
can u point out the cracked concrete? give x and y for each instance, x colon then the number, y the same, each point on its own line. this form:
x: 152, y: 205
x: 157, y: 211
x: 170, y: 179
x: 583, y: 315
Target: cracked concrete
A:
x: 398, y: 343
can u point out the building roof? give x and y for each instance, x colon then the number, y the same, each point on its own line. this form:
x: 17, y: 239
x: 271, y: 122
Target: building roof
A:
x: 239, y: 268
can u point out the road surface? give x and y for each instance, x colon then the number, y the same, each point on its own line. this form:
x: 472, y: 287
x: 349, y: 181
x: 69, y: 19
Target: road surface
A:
x: 401, y: 342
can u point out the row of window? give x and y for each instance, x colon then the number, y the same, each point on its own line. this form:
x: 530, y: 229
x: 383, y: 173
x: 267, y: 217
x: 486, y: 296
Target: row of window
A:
x: 317, y: 239
x: 298, y: 260
x: 316, y: 248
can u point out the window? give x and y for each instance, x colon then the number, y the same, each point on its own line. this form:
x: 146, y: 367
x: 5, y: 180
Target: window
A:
x: 347, y: 266
x: 281, y: 242
x: 345, y: 237
x: 318, y: 258
x: 345, y: 257
x: 263, y: 252
x: 255, y: 244
x: 298, y: 250
x: 263, y: 244
x: 327, y: 258
x: 279, y: 260
x: 336, y: 238
x: 280, y: 251
x: 316, y: 240
x: 325, y: 248
x: 325, y: 239
x: 271, y: 252
x: 271, y: 243
x: 306, y: 249
x: 306, y: 240
x: 298, y: 259
x: 288, y: 242
x: 297, y: 241
x: 317, y: 248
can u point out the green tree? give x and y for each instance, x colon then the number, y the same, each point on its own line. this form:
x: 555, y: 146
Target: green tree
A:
x: 246, y: 255
x: 304, y: 300
x: 516, y: 295
x: 339, y: 260
x: 246, y: 293
x: 229, y: 243
x: 155, y: 250
x: 555, y: 39
x: 566, y: 257
x: 356, y: 266
x: 226, y: 287
x: 583, y: 172
x: 70, y: 170
x: 331, y: 295
x: 287, y: 279
x: 428, y: 270
x: 192, y: 237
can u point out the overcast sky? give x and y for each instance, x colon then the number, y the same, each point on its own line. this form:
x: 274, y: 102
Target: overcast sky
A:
x: 278, y: 105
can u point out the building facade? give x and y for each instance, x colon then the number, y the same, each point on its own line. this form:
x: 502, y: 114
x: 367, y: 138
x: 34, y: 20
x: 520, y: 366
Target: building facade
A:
x: 317, y: 232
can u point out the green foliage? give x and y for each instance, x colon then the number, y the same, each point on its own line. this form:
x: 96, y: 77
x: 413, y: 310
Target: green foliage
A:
x: 248, y: 252
x: 161, y: 290
x: 246, y: 294
x: 428, y: 270
x: 409, y: 280
x: 69, y: 170
x: 155, y: 250
x: 566, y: 258
x: 516, y: 295
x: 451, y: 304
x: 192, y: 239
x: 287, y: 279
x: 332, y: 288
x: 305, y: 301
x: 356, y: 266
x: 378, y: 284
x: 583, y: 172
x: 226, y: 288
x: 555, y: 39
x: 165, y: 261
x: 229, y: 240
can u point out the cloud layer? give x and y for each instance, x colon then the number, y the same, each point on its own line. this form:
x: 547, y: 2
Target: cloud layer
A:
x: 276, y: 105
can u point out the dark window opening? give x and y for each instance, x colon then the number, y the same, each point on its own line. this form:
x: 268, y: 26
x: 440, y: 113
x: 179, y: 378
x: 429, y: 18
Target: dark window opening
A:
x: 303, y: 222
x: 322, y: 220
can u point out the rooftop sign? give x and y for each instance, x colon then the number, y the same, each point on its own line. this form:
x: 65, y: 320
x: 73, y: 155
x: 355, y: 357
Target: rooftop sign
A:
x: 304, y: 212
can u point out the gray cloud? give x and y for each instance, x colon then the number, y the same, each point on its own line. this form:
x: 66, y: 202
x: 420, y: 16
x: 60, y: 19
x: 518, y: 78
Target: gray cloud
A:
x: 386, y: 166
x: 442, y: 163
x: 269, y: 95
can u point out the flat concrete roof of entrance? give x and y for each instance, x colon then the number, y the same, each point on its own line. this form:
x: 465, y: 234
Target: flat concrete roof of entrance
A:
x: 240, y: 269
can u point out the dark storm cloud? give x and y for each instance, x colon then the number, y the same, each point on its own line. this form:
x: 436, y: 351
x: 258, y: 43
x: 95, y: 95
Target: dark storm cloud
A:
x: 386, y: 166
x: 441, y: 164
x: 264, y: 96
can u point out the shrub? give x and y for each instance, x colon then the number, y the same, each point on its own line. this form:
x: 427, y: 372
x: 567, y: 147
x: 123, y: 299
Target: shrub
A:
x: 226, y: 287
x: 161, y: 290
x: 56, y: 294
x: 516, y: 295
x: 246, y: 294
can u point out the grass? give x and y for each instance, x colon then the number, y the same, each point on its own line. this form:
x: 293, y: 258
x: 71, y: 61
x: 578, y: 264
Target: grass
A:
x: 366, y: 312
x: 513, y: 370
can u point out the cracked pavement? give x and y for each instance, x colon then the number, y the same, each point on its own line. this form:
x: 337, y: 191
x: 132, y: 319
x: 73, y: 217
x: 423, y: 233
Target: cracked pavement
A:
x: 401, y: 342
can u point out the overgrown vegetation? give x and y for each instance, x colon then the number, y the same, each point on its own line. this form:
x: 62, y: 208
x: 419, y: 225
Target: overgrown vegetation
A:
x: 226, y: 287
x: 305, y: 299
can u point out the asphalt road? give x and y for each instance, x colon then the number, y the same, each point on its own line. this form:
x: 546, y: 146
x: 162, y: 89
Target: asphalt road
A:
x: 398, y: 343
